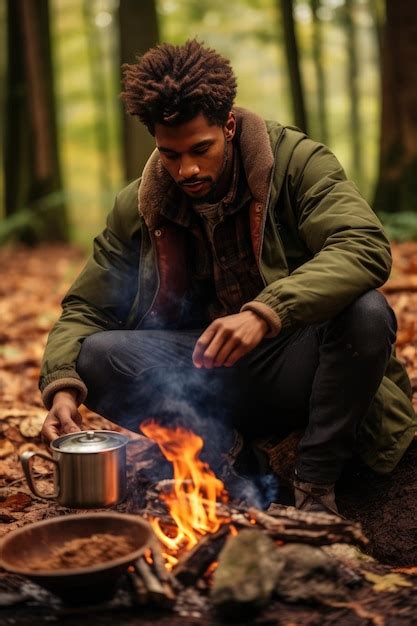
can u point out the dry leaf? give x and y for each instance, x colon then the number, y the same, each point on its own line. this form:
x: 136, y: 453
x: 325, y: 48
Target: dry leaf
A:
x: 16, y: 502
x: 410, y: 571
x: 5, y: 518
x: 28, y: 447
x: 387, y: 582
x: 14, y: 435
x: 32, y: 426
x: 6, y: 448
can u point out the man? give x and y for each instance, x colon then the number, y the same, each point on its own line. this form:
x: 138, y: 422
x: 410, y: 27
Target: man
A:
x: 237, y: 274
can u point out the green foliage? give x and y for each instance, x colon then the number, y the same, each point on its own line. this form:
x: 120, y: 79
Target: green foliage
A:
x: 249, y: 32
x: 30, y: 225
x: 400, y: 226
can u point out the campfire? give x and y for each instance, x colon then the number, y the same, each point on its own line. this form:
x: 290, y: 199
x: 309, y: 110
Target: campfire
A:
x: 200, y: 530
x: 194, y: 493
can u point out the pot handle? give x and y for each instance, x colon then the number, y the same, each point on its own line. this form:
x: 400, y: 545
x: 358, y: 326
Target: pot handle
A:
x: 27, y: 468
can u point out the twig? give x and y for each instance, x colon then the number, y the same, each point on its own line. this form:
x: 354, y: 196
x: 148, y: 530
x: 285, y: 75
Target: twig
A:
x: 159, y: 592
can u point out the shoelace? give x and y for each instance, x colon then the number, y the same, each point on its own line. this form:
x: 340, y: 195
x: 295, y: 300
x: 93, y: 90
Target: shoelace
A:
x: 317, y: 498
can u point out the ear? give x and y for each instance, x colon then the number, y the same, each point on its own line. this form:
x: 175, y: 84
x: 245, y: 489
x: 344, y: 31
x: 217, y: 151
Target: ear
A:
x: 230, y: 127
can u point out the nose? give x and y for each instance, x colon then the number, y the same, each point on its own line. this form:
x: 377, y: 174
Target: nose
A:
x: 188, y: 167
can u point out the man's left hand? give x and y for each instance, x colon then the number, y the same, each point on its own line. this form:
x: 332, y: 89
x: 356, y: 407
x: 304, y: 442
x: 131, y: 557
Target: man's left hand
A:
x: 229, y: 338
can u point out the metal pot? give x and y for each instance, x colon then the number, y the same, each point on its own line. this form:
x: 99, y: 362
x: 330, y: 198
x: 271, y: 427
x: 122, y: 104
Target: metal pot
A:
x: 90, y: 469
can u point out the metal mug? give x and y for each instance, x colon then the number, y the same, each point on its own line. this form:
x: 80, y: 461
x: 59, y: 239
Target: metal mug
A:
x: 90, y: 469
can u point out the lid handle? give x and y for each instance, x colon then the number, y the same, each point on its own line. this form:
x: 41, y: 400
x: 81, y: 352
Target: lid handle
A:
x: 90, y: 434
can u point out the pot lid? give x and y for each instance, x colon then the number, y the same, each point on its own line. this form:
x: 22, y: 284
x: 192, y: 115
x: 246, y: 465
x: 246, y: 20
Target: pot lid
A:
x: 89, y: 441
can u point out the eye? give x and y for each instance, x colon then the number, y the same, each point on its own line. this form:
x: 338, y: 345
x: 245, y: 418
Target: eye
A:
x: 171, y: 156
x: 201, y: 150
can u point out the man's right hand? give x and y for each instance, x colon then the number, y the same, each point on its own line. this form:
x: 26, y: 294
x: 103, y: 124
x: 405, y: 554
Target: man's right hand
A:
x: 63, y: 418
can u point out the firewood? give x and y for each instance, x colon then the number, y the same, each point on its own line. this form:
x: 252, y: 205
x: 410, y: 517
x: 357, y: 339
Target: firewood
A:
x: 160, y: 593
x: 290, y: 524
x: 158, y: 563
x: 139, y: 589
x: 193, y: 565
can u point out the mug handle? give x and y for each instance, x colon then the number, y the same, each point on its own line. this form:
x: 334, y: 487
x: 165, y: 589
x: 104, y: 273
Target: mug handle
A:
x: 27, y: 468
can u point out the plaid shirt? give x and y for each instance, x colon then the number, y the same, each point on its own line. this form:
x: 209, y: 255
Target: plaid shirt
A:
x: 224, y: 274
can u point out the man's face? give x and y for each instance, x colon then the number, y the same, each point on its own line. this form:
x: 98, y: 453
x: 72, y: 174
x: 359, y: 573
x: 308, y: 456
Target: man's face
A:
x: 196, y: 154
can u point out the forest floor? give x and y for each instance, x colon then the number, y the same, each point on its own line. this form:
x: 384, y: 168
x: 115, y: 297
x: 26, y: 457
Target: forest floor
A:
x: 32, y: 286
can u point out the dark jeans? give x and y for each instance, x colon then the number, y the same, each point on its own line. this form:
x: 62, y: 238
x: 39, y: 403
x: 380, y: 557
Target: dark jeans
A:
x: 321, y: 378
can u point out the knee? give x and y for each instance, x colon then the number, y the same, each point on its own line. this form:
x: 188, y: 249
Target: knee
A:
x: 371, y: 323
x: 96, y: 352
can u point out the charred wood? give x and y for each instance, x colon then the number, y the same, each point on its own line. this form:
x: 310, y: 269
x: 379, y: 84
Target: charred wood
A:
x: 290, y: 524
x: 159, y: 592
x: 195, y: 563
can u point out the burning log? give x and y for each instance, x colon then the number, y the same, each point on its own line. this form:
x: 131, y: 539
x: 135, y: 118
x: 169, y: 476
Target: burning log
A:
x: 151, y: 581
x: 193, y: 565
x: 159, y: 566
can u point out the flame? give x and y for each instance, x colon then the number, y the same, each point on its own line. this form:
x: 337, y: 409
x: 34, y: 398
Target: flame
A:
x: 196, y: 490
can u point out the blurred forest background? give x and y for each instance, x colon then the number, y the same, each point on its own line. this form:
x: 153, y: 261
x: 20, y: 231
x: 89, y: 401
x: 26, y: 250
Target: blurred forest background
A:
x: 343, y: 70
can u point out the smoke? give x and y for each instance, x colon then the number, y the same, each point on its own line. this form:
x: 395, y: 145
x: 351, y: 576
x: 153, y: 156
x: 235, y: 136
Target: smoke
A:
x: 203, y: 401
x: 133, y: 376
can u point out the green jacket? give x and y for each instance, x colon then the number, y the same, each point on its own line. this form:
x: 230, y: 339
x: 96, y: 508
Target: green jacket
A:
x: 317, y: 243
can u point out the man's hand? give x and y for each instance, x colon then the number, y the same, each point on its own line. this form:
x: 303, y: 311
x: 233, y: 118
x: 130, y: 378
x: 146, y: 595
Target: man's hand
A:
x: 63, y: 418
x: 229, y: 338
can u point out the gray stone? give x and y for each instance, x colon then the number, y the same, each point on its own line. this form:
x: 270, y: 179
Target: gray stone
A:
x: 308, y: 574
x: 247, y: 572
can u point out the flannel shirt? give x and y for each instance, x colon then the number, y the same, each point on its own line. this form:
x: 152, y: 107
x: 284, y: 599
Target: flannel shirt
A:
x: 224, y: 273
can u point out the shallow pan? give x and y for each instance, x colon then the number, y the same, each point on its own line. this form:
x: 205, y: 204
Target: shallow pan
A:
x: 95, y: 583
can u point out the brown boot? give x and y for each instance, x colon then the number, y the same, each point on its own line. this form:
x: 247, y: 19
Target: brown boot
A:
x: 315, y: 498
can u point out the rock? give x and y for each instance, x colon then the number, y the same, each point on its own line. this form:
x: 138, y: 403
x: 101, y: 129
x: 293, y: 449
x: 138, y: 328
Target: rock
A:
x: 307, y: 574
x: 246, y: 575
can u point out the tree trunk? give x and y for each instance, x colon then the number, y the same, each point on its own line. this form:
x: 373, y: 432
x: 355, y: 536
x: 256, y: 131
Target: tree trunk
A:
x: 397, y: 186
x: 318, y: 66
x: 138, y: 32
x: 377, y: 13
x: 97, y: 72
x: 291, y: 48
x: 31, y: 164
x: 353, y: 90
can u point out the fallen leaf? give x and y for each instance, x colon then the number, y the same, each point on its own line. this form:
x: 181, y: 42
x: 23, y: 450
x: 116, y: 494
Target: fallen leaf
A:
x: 410, y: 571
x: 16, y: 502
x: 387, y: 582
x: 28, y: 447
x: 6, y: 518
x: 32, y: 426
x: 6, y: 448
x: 14, y: 435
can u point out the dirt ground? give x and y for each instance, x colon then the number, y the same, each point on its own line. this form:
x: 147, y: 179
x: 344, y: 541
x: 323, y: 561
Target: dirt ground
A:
x: 32, y: 284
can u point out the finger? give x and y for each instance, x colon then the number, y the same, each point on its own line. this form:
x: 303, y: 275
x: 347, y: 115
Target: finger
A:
x: 219, y: 341
x: 201, y: 345
x: 68, y: 425
x: 50, y: 429
x: 225, y: 352
x: 78, y: 419
x: 236, y: 354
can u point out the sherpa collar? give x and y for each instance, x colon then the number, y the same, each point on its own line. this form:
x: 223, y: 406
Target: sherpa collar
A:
x: 257, y: 160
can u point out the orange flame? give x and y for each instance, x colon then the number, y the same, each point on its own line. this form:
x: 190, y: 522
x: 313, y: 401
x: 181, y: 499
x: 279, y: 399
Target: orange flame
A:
x: 192, y: 502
